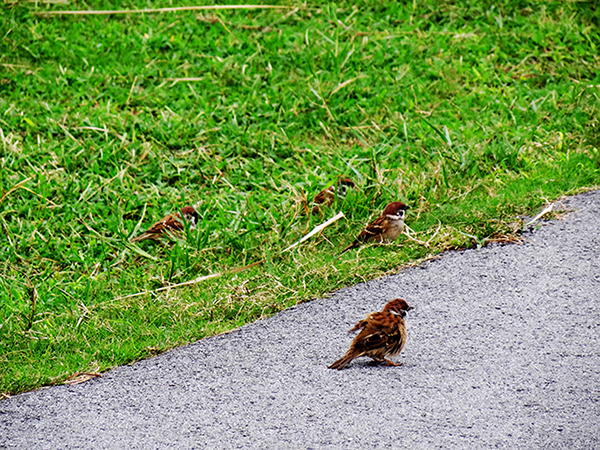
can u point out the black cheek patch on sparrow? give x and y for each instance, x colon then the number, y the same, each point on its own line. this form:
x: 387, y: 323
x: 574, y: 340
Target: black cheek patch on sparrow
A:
x: 343, y: 190
x: 193, y: 219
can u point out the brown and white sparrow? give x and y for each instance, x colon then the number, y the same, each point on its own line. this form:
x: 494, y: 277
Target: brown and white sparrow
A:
x: 171, y: 224
x: 386, y: 228
x: 382, y: 334
x: 327, y: 196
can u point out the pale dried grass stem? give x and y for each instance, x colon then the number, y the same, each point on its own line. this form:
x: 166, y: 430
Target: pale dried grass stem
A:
x: 157, y: 10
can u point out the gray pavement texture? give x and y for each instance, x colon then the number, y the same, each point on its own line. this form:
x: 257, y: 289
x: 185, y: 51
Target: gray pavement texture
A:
x: 503, y: 352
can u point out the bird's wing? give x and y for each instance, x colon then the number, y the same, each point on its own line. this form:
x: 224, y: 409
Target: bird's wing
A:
x: 359, y: 326
x: 375, y: 340
x: 375, y: 228
x: 379, y: 330
x: 325, y: 196
x: 172, y: 222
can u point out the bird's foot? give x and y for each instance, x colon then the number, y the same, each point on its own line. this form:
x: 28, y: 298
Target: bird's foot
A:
x: 391, y: 363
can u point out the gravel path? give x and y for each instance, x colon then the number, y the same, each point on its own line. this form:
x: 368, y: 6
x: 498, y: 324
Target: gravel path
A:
x: 503, y: 351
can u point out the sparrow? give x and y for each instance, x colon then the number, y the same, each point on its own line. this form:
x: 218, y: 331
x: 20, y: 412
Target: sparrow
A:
x: 327, y: 196
x: 171, y: 224
x: 386, y: 228
x: 382, y: 334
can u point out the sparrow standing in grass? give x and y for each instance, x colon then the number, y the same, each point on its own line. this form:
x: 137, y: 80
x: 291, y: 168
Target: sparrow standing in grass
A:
x: 171, y: 224
x: 383, y: 334
x: 386, y: 228
x: 327, y: 196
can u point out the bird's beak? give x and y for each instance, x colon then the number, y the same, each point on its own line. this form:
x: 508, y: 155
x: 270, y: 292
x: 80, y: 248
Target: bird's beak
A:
x: 410, y: 307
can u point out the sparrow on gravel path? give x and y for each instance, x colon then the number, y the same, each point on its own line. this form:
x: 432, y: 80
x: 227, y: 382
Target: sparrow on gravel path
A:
x: 382, y: 334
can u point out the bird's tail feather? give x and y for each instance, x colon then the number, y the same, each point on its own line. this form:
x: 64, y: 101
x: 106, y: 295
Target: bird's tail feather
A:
x: 342, y: 362
x: 141, y: 237
x: 350, y: 247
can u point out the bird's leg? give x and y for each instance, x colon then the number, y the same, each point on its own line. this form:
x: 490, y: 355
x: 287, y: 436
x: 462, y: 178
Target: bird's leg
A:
x: 390, y: 363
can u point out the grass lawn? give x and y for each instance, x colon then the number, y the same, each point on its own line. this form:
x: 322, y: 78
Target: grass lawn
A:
x: 470, y: 112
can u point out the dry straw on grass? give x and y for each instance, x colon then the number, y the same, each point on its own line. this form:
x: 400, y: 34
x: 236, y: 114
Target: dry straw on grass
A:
x: 158, y: 10
x: 316, y: 230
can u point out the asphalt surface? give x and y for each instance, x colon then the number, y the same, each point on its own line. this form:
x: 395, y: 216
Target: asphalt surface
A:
x: 503, y: 351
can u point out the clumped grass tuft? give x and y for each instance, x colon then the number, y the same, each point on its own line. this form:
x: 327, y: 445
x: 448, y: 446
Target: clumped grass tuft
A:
x: 470, y: 112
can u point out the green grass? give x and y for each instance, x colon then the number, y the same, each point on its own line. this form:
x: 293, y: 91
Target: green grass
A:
x: 471, y: 113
